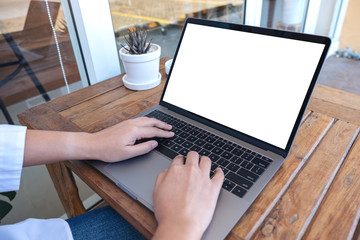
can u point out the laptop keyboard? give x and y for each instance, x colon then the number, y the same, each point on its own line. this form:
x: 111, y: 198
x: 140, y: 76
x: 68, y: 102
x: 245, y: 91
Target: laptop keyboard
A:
x: 241, y: 166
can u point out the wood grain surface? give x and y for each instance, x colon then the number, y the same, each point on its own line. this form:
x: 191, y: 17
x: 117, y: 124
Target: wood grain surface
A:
x: 290, y: 217
x: 314, y: 195
x: 336, y: 103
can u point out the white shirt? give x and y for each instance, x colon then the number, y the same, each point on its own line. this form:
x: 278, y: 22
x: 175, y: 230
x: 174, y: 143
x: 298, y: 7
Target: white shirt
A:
x: 12, y: 145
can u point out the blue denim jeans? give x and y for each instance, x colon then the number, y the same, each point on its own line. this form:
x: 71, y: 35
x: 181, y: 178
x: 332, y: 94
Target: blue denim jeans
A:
x: 102, y: 223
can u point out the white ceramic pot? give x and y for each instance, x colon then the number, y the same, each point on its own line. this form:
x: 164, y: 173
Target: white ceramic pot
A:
x: 142, y: 71
x: 168, y: 64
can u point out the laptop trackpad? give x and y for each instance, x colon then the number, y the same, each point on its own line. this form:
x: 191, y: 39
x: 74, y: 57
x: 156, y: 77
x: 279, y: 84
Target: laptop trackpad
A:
x: 138, y: 175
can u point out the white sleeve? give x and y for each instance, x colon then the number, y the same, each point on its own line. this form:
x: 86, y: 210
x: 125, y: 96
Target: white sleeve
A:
x: 12, y: 145
x: 35, y: 229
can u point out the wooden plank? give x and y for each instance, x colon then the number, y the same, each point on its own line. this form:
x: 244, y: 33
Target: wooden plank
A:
x: 294, y: 211
x: 338, y: 214
x: 68, y: 101
x: 334, y: 95
x: 336, y: 103
x: 309, y: 135
x: 83, y: 95
x: 124, y: 114
x: 134, y: 212
x: 110, y: 110
x: 43, y: 117
x: 93, y: 103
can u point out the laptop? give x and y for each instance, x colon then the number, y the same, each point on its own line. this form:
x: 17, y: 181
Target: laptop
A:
x: 234, y: 93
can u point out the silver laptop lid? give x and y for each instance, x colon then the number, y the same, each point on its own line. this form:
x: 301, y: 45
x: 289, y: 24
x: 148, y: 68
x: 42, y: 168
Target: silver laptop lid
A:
x: 240, y: 79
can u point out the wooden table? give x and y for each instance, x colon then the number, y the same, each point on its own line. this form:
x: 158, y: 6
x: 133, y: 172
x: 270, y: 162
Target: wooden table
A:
x: 315, y: 195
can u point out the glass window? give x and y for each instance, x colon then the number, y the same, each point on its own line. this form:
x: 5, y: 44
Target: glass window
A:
x: 164, y: 19
x: 327, y: 15
x: 30, y: 70
x: 314, y: 17
x: 284, y: 14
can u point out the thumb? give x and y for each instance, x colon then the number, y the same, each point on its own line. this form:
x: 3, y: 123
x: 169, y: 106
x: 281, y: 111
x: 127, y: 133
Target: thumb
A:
x: 218, y: 179
x: 141, y: 148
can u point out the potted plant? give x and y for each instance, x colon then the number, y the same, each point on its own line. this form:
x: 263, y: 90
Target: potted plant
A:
x: 141, y: 60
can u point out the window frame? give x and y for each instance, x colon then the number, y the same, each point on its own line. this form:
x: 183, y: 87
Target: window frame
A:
x: 87, y: 33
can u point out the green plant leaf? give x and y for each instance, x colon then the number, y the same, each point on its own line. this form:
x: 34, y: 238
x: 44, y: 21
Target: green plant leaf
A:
x: 11, y: 195
x: 4, y: 209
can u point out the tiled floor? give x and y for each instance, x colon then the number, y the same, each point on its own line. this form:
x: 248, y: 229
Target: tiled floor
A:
x: 341, y: 73
x: 128, y: 13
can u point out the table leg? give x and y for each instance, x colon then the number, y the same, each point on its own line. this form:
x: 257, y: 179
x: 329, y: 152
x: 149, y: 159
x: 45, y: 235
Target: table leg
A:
x: 66, y: 188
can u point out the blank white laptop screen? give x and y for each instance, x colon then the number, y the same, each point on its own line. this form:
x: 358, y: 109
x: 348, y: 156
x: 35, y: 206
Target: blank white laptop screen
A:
x: 244, y: 81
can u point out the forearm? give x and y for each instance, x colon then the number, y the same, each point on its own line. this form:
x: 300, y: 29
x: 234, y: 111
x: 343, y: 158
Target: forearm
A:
x: 113, y: 144
x: 42, y: 147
